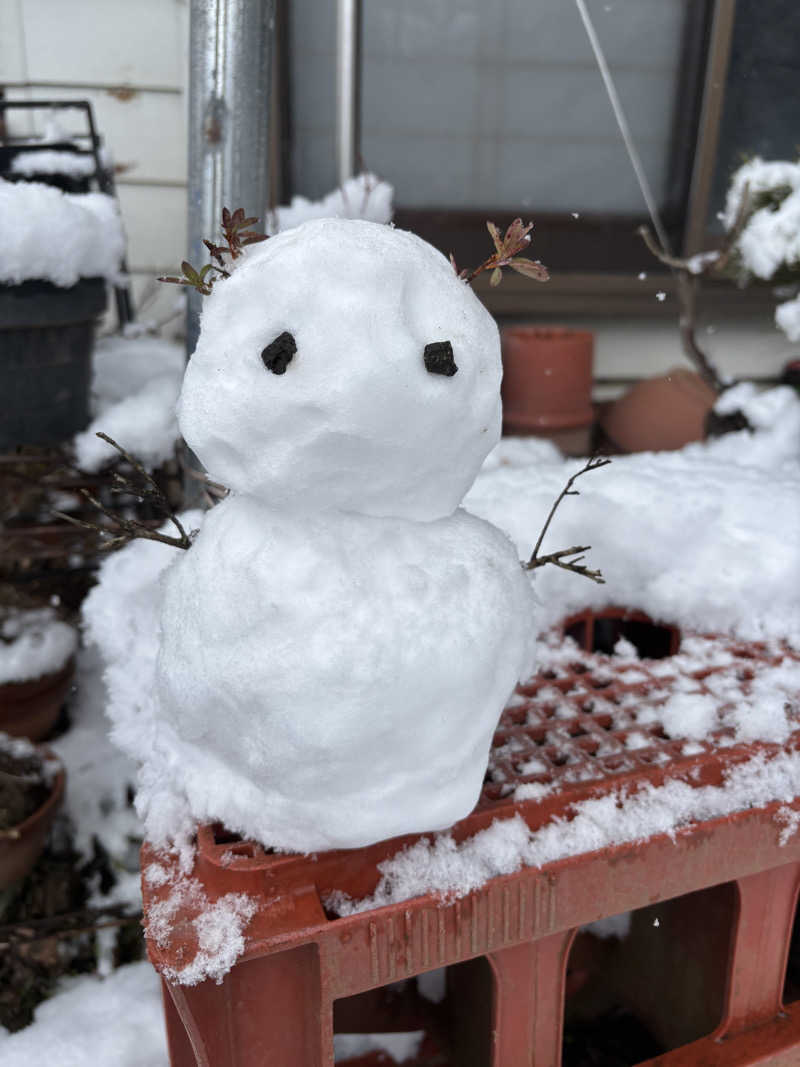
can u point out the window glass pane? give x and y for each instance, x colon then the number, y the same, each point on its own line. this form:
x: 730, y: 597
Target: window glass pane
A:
x: 760, y: 108
x: 467, y: 103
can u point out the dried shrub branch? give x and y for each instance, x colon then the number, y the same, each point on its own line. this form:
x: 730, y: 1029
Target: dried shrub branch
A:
x: 688, y: 274
x: 562, y: 557
x: 123, y: 530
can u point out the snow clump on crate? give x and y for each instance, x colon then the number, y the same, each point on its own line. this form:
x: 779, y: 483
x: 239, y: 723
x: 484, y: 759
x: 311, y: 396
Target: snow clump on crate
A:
x: 58, y: 237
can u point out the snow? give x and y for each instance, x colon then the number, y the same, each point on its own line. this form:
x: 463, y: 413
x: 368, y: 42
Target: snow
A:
x: 135, y: 387
x: 771, y: 235
x: 362, y: 301
x: 704, y: 537
x: 618, y: 926
x: 51, y: 161
x: 219, y: 926
x: 34, y: 643
x: 117, y: 1021
x: 363, y: 197
x: 305, y: 733
x: 401, y: 1047
x: 58, y: 237
x: 439, y: 865
x: 787, y: 318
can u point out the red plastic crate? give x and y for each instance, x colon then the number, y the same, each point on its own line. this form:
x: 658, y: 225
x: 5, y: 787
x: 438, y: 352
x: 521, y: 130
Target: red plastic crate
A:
x: 276, y: 1006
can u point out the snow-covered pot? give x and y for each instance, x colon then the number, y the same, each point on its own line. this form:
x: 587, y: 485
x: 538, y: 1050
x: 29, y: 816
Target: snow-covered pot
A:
x: 37, y: 665
x: 34, y: 781
x: 61, y: 165
x: 46, y: 340
x: 56, y: 251
x: 547, y: 384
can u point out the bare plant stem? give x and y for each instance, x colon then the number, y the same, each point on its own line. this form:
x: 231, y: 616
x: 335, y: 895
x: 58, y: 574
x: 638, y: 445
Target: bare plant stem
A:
x: 688, y: 273
x: 562, y: 557
x: 129, y: 529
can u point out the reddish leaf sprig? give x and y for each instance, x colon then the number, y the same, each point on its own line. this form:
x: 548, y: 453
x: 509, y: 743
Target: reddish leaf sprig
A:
x: 237, y: 237
x: 516, y: 238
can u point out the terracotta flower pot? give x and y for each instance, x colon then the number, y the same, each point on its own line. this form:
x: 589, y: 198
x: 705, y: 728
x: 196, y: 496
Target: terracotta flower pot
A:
x: 547, y: 384
x: 20, y: 845
x: 30, y: 709
x: 660, y: 414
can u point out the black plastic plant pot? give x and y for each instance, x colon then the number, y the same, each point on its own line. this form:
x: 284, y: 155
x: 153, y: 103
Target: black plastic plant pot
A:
x: 46, y: 340
x: 67, y: 183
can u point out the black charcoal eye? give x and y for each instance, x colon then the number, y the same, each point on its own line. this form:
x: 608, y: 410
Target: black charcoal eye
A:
x: 438, y: 358
x: 278, y: 354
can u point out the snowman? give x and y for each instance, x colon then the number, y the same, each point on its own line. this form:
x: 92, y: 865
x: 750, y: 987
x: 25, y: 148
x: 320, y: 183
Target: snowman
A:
x: 341, y: 638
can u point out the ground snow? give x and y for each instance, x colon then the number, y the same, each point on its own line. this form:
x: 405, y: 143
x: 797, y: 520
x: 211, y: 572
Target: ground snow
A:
x: 58, y: 237
x: 135, y: 387
x: 34, y: 643
x: 401, y: 1047
x: 117, y: 1021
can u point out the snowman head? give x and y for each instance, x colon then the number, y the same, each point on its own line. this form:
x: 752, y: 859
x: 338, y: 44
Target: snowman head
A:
x: 344, y: 365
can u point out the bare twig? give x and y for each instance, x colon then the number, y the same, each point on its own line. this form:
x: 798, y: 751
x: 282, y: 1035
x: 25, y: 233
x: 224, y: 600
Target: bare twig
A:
x: 688, y: 273
x: 561, y: 558
x: 127, y: 530
x: 67, y: 925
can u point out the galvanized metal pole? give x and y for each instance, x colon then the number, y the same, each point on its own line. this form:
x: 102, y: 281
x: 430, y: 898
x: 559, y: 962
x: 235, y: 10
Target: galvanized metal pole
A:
x: 230, y: 56
x: 348, y: 96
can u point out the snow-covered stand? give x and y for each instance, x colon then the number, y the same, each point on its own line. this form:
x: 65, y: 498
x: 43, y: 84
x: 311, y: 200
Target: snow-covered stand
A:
x: 610, y: 815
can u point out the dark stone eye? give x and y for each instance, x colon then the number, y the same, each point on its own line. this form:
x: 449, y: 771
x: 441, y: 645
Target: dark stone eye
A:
x: 278, y: 354
x: 438, y: 358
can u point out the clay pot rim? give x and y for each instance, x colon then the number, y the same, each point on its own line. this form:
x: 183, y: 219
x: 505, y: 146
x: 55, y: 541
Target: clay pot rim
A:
x: 532, y: 332
x: 30, y: 687
x: 23, y: 829
x: 575, y: 420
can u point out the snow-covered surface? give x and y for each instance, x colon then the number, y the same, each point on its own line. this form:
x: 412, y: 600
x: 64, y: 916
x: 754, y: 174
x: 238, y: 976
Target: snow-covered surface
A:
x: 52, y: 161
x: 705, y: 537
x: 363, y: 197
x: 116, y: 1021
x: 356, y: 422
x: 135, y: 388
x: 219, y: 927
x: 58, y: 237
x: 439, y: 865
x: 34, y: 643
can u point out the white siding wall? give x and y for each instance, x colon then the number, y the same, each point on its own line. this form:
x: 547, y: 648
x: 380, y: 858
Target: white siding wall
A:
x: 130, y: 60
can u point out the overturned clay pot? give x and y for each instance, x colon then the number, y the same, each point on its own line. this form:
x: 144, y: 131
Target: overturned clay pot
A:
x: 660, y: 414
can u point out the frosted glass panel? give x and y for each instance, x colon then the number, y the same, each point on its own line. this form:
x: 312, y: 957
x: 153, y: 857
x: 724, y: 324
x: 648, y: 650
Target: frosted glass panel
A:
x: 468, y: 104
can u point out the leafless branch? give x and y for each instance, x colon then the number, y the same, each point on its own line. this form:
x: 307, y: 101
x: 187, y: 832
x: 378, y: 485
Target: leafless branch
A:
x: 127, y: 529
x: 561, y: 558
x: 688, y: 273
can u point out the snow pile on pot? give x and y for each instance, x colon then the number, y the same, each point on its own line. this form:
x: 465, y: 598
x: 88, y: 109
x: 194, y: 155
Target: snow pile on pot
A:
x: 58, y: 237
x: 363, y: 197
x: 135, y: 386
x: 52, y: 161
x: 34, y: 643
x: 770, y: 240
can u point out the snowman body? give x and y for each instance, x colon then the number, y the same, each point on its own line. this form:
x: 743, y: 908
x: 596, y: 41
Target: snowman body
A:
x: 340, y: 639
